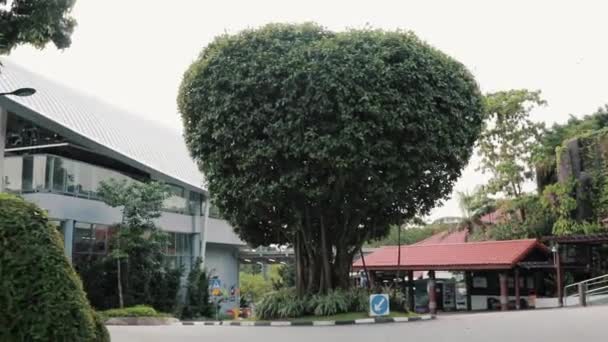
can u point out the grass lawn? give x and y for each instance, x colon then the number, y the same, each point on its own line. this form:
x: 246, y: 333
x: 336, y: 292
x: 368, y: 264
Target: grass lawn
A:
x: 339, y: 317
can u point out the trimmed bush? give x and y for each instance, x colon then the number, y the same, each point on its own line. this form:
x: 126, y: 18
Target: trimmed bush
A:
x: 133, y: 311
x: 101, y: 332
x: 41, y: 297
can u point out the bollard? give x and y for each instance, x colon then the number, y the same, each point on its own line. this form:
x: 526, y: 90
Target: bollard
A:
x: 582, y: 294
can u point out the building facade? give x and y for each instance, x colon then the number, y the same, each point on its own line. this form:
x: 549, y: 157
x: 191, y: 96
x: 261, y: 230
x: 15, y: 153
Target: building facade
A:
x: 58, y: 145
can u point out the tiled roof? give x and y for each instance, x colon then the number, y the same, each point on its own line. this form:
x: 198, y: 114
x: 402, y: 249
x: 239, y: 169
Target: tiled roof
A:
x: 455, y: 256
x: 141, y: 143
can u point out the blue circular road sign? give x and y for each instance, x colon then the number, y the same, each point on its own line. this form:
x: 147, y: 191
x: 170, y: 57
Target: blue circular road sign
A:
x: 378, y: 305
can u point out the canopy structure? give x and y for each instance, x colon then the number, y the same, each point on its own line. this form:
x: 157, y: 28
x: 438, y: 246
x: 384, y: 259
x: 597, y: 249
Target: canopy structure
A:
x: 487, y: 255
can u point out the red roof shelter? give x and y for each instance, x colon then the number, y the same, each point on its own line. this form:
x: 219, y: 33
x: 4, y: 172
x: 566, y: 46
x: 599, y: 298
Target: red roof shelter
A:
x: 487, y: 255
x: 440, y: 253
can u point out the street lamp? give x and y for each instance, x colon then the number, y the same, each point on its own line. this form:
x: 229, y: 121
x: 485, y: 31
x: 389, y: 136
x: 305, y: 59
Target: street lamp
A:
x: 21, y: 92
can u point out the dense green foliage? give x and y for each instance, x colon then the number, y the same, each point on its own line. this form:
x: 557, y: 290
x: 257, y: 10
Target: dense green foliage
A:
x: 544, y: 154
x: 254, y: 286
x: 35, y: 22
x: 197, y: 294
x: 286, y: 276
x: 507, y: 140
x: 41, y: 297
x: 324, y: 140
x: 135, y: 271
x: 133, y: 311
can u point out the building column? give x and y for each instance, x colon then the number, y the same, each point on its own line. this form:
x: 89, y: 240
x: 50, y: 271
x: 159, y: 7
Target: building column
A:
x: 468, y: 280
x: 504, y: 291
x: 197, y: 231
x: 3, y: 118
x: 432, y: 293
x: 68, y: 238
x: 410, y: 291
x: 516, y: 284
x: 204, y: 228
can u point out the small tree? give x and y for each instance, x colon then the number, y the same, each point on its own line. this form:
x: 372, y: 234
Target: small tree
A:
x: 136, y: 235
x: 508, y: 139
x: 197, y: 296
x: 35, y: 22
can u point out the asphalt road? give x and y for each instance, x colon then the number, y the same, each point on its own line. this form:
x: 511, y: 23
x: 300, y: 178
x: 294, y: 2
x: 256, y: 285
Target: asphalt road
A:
x: 559, y: 325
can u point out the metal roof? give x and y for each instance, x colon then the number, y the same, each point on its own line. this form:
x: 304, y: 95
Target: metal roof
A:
x: 101, y: 127
x: 486, y: 255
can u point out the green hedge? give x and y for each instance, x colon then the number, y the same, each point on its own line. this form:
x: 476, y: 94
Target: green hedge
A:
x: 134, y: 311
x: 41, y: 297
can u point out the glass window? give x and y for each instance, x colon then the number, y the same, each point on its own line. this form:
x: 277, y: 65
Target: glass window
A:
x: 83, y: 238
x: 39, y: 172
x: 13, y: 170
x: 179, y: 250
x: 177, y: 200
x: 28, y: 173
x: 100, y: 238
x: 90, y: 238
x: 59, y: 175
x: 214, y: 212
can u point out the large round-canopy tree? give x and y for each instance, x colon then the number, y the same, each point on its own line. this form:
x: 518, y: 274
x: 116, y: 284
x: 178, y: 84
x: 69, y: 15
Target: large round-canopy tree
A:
x: 323, y: 140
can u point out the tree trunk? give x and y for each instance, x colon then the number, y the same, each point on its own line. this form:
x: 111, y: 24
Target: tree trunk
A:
x: 119, y: 278
x: 326, y: 284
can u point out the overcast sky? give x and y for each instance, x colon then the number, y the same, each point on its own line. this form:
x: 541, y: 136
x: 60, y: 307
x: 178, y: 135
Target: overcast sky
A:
x: 132, y: 53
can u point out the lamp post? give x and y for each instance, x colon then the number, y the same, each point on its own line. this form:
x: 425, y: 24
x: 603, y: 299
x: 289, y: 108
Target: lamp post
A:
x: 21, y: 92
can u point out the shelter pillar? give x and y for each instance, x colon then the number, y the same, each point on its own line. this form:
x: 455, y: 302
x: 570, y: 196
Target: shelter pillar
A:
x: 516, y: 284
x: 432, y: 293
x: 410, y: 291
x: 468, y: 279
x: 558, y: 276
x: 504, y: 294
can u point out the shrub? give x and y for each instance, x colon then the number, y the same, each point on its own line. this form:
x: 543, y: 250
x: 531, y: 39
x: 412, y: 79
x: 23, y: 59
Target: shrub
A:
x: 331, y: 303
x: 269, y: 307
x: 101, y: 332
x: 197, y: 296
x: 164, y: 289
x: 134, y: 311
x: 358, y: 300
x: 41, y: 296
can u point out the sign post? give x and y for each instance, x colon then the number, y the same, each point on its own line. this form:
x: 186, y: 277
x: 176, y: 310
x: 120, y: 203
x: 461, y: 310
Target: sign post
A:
x: 379, y: 305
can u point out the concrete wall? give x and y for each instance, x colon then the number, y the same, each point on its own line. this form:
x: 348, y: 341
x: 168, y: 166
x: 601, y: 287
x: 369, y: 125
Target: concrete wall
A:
x: 219, y: 231
x: 92, y: 211
x: 222, y: 261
